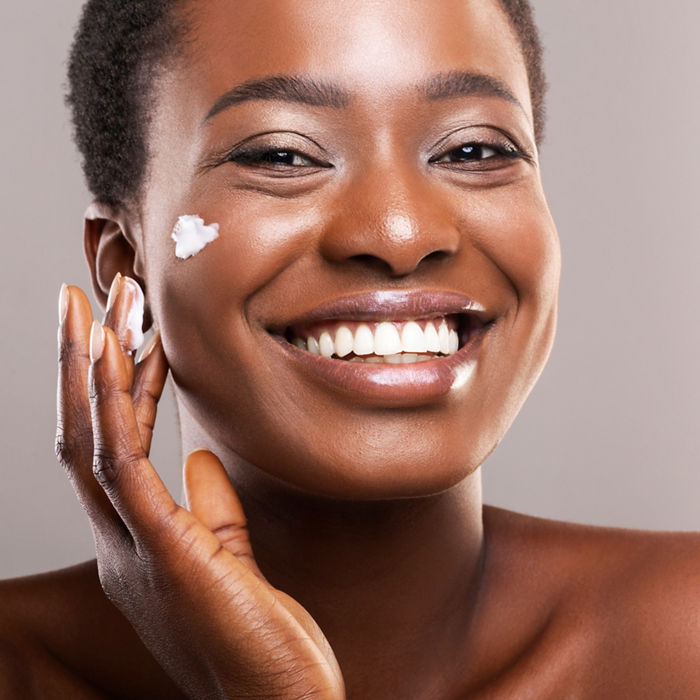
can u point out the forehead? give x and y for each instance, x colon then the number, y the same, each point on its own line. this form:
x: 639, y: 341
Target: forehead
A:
x: 372, y: 48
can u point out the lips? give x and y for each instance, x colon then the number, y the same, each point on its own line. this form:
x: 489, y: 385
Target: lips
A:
x: 396, y: 347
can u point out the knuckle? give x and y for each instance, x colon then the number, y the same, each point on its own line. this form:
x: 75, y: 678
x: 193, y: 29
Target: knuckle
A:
x: 235, y: 538
x: 64, y: 451
x: 65, y: 352
x: 103, y: 389
x: 108, y: 466
x: 70, y: 451
x: 105, y: 467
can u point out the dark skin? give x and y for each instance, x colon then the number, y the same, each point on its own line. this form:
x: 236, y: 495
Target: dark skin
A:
x: 336, y: 546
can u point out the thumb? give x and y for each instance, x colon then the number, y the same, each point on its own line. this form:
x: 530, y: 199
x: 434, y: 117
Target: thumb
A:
x: 212, y: 499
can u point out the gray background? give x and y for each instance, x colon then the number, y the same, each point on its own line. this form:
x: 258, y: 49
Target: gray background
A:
x: 609, y: 436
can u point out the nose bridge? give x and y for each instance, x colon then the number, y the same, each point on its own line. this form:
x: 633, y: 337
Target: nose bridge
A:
x: 394, y: 215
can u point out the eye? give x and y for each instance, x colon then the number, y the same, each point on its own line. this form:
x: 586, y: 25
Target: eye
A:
x: 469, y: 152
x: 474, y: 153
x: 272, y: 157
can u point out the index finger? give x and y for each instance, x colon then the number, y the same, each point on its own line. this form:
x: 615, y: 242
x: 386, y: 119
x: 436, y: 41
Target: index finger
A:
x: 74, y: 438
x: 120, y: 462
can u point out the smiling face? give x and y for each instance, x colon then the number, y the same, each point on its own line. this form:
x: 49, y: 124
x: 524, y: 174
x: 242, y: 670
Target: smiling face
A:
x: 369, y: 165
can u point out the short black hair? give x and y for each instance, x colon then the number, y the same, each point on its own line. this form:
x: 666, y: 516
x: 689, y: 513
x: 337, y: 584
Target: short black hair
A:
x: 119, y: 49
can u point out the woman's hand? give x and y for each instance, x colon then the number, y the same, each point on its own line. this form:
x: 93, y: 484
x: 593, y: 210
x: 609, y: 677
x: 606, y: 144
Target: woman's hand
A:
x: 185, y: 579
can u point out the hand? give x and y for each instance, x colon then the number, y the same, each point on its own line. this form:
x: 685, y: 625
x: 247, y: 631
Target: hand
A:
x: 186, y: 580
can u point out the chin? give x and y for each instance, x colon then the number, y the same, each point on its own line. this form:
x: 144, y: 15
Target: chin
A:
x: 371, y: 473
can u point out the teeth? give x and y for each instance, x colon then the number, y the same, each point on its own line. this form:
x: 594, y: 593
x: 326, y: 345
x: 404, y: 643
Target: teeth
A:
x: 413, y: 338
x: 326, y: 344
x: 313, y: 346
x: 364, y: 341
x: 386, y: 339
x: 454, y: 342
x: 444, y: 337
x: 344, y: 342
x: 432, y: 340
x: 404, y: 358
x: 386, y: 343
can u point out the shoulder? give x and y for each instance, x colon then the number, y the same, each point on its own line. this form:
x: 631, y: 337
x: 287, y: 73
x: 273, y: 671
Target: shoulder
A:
x: 61, y: 637
x: 631, y: 597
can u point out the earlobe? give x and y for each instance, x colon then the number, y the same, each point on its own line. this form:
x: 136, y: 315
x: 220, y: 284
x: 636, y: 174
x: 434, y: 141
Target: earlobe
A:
x: 110, y: 246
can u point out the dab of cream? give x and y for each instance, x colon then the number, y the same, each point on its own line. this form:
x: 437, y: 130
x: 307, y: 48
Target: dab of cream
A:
x: 191, y: 235
x: 134, y: 319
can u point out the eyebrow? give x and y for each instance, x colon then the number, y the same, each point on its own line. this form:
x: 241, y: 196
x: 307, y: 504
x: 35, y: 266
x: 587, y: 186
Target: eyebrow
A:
x: 463, y: 84
x: 304, y: 90
x: 288, y: 88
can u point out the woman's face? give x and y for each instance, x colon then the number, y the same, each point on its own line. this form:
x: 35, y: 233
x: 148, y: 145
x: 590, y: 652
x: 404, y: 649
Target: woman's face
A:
x: 384, y: 170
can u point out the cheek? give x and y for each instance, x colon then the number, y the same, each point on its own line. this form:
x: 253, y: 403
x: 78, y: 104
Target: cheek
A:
x: 257, y: 239
x: 202, y: 304
x: 516, y: 232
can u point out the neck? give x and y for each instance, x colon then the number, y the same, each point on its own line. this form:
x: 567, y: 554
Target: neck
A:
x: 385, y: 580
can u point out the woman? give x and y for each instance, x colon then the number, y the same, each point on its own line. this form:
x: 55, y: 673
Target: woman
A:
x: 367, y: 170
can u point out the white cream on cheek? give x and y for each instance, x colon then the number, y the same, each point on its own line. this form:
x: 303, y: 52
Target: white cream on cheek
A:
x: 191, y: 235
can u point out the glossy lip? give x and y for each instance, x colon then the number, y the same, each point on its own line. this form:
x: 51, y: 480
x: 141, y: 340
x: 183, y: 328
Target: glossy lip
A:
x: 388, y: 306
x: 387, y: 384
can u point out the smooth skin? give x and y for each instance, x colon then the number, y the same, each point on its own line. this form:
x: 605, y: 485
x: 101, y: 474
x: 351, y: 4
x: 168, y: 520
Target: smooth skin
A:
x: 333, y: 544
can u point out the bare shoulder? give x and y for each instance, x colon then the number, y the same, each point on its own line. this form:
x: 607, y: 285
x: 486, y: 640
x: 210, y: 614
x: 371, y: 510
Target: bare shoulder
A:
x: 61, y: 637
x: 631, y: 598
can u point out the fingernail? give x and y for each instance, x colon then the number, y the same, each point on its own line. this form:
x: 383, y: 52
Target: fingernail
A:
x: 134, y: 321
x: 150, y: 345
x: 63, y: 299
x: 113, y: 291
x: 97, y: 341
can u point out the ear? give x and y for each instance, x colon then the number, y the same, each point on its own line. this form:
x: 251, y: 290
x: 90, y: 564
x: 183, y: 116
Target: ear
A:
x: 112, y: 244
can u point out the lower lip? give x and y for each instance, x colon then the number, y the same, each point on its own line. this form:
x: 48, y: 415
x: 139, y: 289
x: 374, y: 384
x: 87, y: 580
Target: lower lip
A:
x: 388, y: 384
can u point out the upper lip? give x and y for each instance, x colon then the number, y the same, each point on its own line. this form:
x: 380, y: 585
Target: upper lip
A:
x: 389, y: 306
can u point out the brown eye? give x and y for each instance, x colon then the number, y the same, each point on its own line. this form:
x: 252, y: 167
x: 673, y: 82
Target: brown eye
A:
x: 272, y: 157
x: 469, y: 152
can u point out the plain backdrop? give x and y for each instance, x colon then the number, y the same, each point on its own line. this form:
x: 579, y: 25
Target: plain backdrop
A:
x: 609, y: 436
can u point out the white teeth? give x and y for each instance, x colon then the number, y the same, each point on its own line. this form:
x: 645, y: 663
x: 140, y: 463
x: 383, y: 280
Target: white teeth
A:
x: 326, y: 344
x: 386, y: 342
x: 444, y: 337
x: 454, y: 342
x: 344, y: 342
x: 386, y: 339
x: 432, y: 340
x: 313, y: 346
x: 413, y: 338
x: 364, y: 340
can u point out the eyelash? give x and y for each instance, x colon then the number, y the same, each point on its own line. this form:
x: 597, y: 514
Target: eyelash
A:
x: 478, y: 149
x: 283, y: 159
x: 264, y: 156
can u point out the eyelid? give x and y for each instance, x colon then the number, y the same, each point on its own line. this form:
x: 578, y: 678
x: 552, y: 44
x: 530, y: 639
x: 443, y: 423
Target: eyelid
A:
x: 267, y: 141
x: 498, y: 139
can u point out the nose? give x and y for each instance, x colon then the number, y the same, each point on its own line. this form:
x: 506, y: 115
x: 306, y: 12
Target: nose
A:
x: 392, y: 221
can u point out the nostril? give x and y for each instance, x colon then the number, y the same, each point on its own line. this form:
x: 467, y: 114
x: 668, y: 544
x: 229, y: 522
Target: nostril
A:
x: 437, y: 256
x: 372, y: 262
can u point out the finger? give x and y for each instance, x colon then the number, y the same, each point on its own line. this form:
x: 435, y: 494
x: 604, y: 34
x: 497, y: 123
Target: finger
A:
x: 149, y: 381
x: 212, y: 499
x: 120, y: 463
x: 74, y: 440
x: 124, y: 315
